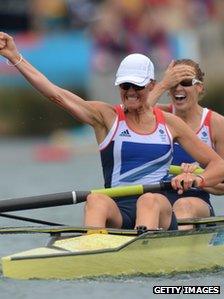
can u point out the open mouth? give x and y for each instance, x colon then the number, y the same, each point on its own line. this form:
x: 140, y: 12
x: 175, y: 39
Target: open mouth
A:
x: 132, y: 99
x: 180, y: 97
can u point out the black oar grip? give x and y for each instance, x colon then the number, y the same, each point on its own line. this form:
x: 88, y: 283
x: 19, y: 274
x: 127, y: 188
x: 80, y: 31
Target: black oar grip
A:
x: 161, y: 186
x: 165, y: 185
x: 80, y: 196
x: 152, y: 188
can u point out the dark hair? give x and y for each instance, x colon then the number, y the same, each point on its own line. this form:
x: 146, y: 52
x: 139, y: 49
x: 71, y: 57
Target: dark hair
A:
x: 195, y: 65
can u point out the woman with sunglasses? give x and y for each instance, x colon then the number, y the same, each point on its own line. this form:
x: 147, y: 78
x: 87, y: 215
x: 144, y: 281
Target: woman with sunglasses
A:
x: 135, y: 142
x: 185, y: 103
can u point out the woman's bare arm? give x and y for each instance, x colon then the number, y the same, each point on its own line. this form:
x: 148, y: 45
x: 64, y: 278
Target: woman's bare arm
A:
x: 217, y: 122
x: 97, y: 114
x: 213, y: 163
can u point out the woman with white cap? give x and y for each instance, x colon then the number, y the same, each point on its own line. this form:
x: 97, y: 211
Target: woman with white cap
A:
x: 135, y: 142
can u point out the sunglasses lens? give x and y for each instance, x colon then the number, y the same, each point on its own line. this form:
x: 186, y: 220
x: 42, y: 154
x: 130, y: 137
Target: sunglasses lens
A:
x: 186, y: 83
x: 139, y: 87
x: 126, y: 86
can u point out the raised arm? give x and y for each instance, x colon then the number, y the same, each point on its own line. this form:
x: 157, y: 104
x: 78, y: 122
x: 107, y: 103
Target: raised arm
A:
x: 212, y: 162
x: 172, y: 76
x: 93, y: 113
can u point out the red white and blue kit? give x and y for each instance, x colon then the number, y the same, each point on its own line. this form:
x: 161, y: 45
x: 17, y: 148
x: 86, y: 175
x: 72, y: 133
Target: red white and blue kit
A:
x: 180, y: 156
x: 203, y: 133
x: 130, y: 158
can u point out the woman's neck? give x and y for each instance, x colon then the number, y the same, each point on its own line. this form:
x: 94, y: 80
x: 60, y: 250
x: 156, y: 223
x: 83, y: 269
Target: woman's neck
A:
x: 191, y: 116
x: 143, y: 121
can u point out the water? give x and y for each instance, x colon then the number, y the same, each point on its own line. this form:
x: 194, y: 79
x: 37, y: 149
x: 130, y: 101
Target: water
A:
x: 21, y: 175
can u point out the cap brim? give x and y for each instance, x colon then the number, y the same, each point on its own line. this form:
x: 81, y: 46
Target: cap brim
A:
x: 134, y: 80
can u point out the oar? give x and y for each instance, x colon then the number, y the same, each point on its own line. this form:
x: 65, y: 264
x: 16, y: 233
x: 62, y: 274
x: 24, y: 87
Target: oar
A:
x: 175, y: 170
x: 74, y: 197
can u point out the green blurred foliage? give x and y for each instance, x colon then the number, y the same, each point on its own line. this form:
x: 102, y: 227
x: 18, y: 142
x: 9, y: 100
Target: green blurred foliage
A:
x: 214, y: 98
x: 25, y: 112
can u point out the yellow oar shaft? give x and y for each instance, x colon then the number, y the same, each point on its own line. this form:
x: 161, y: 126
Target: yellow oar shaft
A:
x: 174, y: 169
x: 121, y: 191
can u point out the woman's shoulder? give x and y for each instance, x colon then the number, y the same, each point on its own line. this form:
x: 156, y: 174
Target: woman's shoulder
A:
x: 216, y: 123
x: 216, y: 117
x: 174, y: 122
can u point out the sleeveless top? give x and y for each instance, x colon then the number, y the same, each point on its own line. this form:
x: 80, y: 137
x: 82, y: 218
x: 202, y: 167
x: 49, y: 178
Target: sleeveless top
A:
x: 203, y: 133
x: 130, y: 158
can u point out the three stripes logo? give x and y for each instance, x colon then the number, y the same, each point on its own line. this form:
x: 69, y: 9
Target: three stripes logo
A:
x: 125, y: 133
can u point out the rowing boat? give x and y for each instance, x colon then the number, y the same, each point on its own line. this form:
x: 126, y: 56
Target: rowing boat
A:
x: 81, y: 252
x: 113, y: 252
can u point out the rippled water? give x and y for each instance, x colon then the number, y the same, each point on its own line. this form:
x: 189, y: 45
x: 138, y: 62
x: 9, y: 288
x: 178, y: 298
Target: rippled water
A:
x: 21, y: 175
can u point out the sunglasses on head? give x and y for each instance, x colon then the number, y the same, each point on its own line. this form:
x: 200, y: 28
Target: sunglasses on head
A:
x: 126, y: 86
x: 191, y: 82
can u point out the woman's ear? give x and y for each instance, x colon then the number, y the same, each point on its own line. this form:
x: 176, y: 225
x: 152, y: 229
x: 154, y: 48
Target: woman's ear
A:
x: 201, y: 88
x: 201, y: 91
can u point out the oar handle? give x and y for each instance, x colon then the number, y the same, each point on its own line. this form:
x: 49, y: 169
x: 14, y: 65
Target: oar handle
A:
x: 175, y: 170
x: 123, y: 191
x: 163, y: 185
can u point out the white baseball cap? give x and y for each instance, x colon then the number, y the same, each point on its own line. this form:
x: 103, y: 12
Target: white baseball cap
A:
x: 135, y: 68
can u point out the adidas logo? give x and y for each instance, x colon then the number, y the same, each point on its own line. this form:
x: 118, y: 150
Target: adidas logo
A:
x: 125, y: 133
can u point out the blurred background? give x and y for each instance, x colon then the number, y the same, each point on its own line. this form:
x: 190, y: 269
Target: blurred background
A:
x: 78, y: 44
